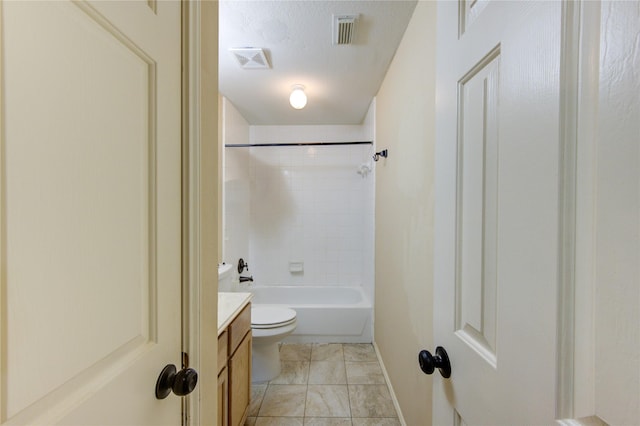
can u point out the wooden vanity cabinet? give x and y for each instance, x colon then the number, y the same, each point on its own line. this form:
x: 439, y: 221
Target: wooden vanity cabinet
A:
x: 240, y: 382
x: 223, y: 398
x: 234, y: 370
x: 223, y: 380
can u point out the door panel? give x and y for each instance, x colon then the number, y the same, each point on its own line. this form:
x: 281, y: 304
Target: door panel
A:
x: 617, y: 250
x: 91, y: 211
x: 476, y: 283
x: 497, y: 165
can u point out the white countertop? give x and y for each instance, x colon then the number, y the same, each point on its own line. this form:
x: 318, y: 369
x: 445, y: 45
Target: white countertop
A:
x: 230, y: 305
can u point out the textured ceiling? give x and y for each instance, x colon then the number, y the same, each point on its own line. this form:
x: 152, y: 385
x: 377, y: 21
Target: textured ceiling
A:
x: 340, y: 81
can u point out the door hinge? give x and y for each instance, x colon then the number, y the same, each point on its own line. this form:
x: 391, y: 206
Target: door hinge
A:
x: 185, y: 360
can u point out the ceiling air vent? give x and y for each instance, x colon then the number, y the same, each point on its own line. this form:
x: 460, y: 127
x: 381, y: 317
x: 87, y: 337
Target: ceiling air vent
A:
x: 344, y: 28
x: 250, y: 57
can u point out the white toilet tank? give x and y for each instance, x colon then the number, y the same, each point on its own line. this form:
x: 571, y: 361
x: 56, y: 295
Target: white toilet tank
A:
x: 225, y: 276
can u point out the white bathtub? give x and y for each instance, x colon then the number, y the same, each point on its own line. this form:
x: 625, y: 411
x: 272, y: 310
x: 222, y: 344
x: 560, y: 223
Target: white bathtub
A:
x: 325, y: 314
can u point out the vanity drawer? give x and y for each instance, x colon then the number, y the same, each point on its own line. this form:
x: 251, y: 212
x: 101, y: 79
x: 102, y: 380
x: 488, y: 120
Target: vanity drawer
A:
x: 223, y: 353
x: 239, y: 328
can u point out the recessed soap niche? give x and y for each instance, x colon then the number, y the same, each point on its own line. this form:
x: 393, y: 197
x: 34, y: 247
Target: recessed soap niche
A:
x: 296, y: 267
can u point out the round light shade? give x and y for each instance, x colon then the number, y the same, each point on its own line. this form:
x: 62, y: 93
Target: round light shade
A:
x: 298, y: 98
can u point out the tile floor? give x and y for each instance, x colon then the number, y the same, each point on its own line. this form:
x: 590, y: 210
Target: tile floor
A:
x: 324, y: 385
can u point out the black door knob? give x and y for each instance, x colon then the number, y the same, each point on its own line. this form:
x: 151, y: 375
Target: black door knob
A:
x: 428, y: 363
x: 181, y: 383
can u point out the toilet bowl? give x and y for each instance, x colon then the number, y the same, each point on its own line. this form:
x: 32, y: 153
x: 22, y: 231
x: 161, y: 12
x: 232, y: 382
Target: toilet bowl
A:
x: 224, y: 276
x: 269, y: 325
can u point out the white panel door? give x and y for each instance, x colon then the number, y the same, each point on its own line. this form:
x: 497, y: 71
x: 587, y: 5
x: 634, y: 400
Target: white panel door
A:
x: 617, y: 213
x: 497, y: 211
x: 90, y: 211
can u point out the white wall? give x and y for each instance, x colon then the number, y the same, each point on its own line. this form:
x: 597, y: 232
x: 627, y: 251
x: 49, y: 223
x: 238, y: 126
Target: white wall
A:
x: 405, y: 109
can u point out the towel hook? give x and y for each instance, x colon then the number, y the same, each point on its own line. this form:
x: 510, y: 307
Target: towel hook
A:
x: 384, y: 153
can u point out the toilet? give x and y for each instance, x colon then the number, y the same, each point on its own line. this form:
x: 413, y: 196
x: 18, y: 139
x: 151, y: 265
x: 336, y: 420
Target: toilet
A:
x: 269, y: 325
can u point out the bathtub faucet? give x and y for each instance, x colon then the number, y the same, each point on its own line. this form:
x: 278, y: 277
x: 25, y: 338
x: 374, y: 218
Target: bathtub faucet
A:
x: 245, y: 279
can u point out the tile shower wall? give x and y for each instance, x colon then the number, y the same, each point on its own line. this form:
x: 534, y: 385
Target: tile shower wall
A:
x: 237, y: 205
x: 310, y: 209
x: 305, y: 205
x: 235, y: 193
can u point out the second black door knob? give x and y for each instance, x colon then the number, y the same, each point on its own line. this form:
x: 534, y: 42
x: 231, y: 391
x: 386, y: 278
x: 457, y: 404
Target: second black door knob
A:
x: 428, y: 363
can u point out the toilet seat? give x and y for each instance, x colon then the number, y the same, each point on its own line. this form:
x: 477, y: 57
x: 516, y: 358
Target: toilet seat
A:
x: 266, y: 317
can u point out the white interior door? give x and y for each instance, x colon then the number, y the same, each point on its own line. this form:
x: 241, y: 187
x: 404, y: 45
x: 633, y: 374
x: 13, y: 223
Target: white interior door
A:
x: 90, y: 211
x: 497, y: 210
x: 616, y: 199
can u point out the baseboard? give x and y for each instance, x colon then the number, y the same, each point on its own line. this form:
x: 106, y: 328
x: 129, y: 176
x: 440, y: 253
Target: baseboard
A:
x: 390, y: 386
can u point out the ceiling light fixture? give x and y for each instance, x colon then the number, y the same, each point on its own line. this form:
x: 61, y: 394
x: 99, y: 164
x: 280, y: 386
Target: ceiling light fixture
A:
x: 298, y: 99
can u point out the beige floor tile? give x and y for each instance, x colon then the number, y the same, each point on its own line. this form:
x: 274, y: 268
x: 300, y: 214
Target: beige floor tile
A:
x: 364, y: 373
x: 371, y: 401
x: 295, y: 352
x: 359, y: 352
x: 257, y: 393
x: 327, y: 352
x: 377, y: 422
x: 327, y: 401
x: 283, y: 401
x: 280, y: 421
x: 325, y: 421
x: 293, y: 373
x: 312, y: 389
x: 327, y: 373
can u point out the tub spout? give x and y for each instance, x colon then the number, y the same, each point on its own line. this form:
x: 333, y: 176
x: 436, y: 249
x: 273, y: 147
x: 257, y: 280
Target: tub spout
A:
x: 245, y: 279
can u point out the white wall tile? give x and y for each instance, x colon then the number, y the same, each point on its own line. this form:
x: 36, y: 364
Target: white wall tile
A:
x: 236, y: 192
x: 308, y: 204
x: 295, y: 134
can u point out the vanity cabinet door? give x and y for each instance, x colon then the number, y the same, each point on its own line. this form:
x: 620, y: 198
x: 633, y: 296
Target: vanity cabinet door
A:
x: 240, y: 382
x: 223, y: 350
x: 223, y: 398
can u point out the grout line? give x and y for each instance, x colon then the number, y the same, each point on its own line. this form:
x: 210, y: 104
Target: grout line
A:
x: 306, y: 394
x: 264, y: 394
x: 346, y: 379
x: 389, y: 386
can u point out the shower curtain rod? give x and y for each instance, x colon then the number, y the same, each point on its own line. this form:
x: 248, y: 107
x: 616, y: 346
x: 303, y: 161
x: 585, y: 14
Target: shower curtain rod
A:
x: 246, y: 145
